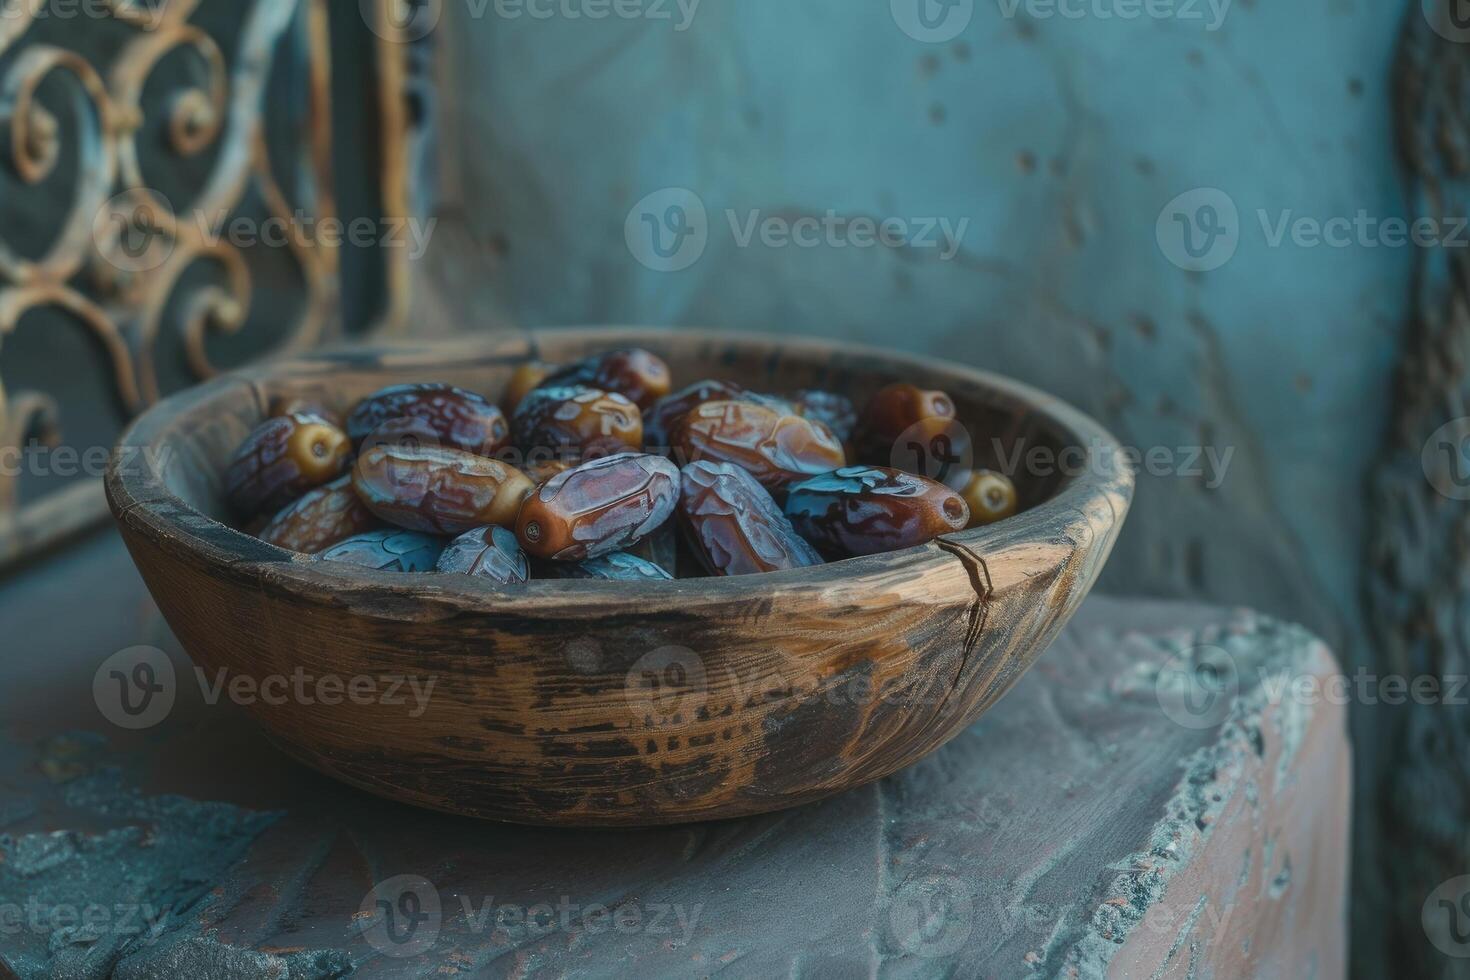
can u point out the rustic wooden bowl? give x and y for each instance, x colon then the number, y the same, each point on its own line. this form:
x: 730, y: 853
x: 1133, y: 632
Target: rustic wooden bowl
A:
x: 595, y: 704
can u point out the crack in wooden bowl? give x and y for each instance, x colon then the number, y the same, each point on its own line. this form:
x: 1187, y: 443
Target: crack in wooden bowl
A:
x: 610, y: 704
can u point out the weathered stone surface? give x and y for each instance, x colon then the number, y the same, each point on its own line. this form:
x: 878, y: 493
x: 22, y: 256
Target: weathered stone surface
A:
x: 1093, y: 824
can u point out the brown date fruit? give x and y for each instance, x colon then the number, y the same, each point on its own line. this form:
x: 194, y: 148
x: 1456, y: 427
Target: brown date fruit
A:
x: 735, y: 525
x: 577, y: 421
x: 620, y: 566
x: 664, y: 415
x: 778, y: 449
x: 320, y: 519
x: 486, y: 552
x: 637, y: 375
x: 991, y: 497
x: 893, y: 411
x: 438, y: 490
x: 607, y: 505
x: 523, y: 380
x: 388, y: 550
x: 541, y: 470
x: 864, y: 510
x: 282, y: 459
x: 835, y: 411
x: 433, y: 414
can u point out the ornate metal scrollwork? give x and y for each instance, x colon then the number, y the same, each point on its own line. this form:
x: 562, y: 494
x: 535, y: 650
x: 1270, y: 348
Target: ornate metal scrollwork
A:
x: 120, y: 261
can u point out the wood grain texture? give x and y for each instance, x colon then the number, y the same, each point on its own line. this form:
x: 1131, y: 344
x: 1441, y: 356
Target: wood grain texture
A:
x: 773, y: 690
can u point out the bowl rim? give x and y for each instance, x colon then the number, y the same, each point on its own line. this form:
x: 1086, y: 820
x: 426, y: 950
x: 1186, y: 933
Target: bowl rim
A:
x: 139, y: 496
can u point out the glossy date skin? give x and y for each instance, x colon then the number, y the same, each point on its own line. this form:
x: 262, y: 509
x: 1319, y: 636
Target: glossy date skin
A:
x: 620, y: 566
x: 637, y: 375
x: 896, y: 409
x: 577, y: 421
x: 431, y: 414
x: 282, y: 459
x: 865, y: 510
x: 489, y: 553
x: 523, y: 380
x: 777, y: 448
x: 437, y: 490
x: 735, y: 525
x: 835, y: 411
x: 607, y: 505
x: 389, y: 550
x: 660, y: 420
x: 991, y: 497
x: 320, y: 519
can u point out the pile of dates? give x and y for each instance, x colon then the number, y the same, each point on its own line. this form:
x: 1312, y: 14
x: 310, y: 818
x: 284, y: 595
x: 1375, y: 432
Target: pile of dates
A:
x: 600, y: 470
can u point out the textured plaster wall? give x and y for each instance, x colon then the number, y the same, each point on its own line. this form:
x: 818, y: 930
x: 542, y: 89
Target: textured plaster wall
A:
x: 1059, y: 140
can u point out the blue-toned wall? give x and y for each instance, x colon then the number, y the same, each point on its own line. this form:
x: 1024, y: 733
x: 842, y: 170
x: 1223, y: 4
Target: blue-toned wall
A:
x: 1060, y: 140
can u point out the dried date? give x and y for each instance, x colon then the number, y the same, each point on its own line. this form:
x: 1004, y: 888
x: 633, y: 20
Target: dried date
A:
x: 389, y: 550
x: 660, y: 420
x: 735, y: 525
x: 620, y: 566
x: 523, y: 380
x: 486, y: 552
x: 607, y: 505
x: 577, y: 421
x: 864, y: 510
x: 991, y: 497
x: 438, y: 490
x: 778, y: 449
x: 432, y: 414
x: 320, y: 519
x: 835, y: 411
x: 282, y: 459
x: 637, y: 375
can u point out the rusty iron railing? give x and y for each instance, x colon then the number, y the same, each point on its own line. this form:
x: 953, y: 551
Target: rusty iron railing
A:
x: 94, y: 107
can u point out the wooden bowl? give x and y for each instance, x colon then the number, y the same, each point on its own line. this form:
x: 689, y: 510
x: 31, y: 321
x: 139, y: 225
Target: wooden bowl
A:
x: 598, y: 704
